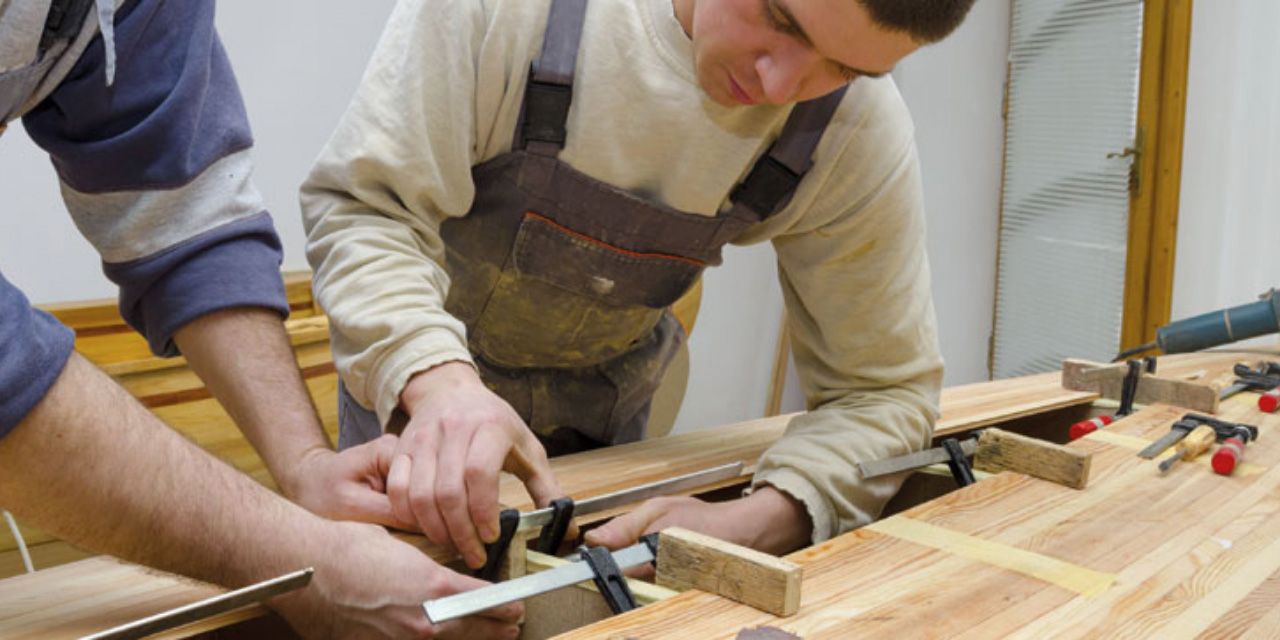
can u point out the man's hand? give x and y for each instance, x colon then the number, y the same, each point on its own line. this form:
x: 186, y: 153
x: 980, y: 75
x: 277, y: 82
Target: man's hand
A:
x: 767, y: 520
x: 346, y: 486
x: 444, y: 471
x: 372, y: 585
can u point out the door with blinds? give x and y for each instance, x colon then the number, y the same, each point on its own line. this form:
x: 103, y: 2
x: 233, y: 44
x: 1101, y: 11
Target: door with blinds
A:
x: 1069, y: 148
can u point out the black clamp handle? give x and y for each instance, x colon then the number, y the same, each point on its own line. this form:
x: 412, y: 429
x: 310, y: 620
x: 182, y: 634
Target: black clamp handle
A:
x: 609, y: 579
x: 553, y: 533
x: 1223, y: 429
x: 1130, y: 389
x: 495, y: 553
x: 959, y: 464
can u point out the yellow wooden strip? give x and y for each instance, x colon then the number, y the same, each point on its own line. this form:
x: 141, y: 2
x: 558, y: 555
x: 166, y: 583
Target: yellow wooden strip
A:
x: 1138, y: 444
x: 1084, y: 581
x: 1119, y: 439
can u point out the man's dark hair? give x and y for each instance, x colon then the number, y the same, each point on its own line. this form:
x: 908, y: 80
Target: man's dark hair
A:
x: 926, y: 21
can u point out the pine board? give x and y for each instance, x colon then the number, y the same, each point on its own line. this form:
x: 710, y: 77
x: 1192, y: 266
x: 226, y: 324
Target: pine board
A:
x: 868, y: 582
x: 1194, y: 554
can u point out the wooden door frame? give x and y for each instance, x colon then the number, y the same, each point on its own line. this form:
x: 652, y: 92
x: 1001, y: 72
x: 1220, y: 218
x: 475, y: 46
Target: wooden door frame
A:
x: 1153, y: 211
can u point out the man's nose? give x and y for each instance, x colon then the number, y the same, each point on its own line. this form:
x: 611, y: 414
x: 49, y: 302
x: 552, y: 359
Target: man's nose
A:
x: 783, y: 72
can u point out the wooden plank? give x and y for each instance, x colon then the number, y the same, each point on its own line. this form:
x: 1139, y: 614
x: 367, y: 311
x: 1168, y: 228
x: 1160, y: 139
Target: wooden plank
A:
x: 1124, y: 524
x: 1193, y: 553
x: 691, y: 560
x: 1108, y: 382
x: 99, y: 593
x: 1000, y: 450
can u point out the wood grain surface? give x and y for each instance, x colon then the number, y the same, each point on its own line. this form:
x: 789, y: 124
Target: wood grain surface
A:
x: 1202, y: 556
x: 1188, y: 554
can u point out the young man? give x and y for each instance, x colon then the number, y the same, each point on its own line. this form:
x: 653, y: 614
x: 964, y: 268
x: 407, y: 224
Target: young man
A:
x: 145, y: 127
x: 496, y: 251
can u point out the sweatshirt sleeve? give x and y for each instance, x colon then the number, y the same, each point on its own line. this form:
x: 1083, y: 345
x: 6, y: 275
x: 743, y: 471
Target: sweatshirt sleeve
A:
x: 399, y: 164
x: 33, y: 349
x: 861, y: 320
x: 155, y: 171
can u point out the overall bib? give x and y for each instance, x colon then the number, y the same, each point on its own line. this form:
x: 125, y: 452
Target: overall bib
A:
x: 564, y: 282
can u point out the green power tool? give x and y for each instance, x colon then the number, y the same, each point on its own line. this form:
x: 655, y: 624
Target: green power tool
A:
x: 1217, y: 327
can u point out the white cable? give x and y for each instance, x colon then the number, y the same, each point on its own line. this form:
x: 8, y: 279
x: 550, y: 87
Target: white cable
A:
x: 22, y: 544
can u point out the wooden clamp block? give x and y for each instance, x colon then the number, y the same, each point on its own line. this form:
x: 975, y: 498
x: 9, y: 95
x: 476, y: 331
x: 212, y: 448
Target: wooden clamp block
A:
x: 689, y: 560
x: 1004, y: 451
x: 1107, y: 380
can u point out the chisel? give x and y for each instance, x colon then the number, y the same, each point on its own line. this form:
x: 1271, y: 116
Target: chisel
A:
x: 1191, y: 446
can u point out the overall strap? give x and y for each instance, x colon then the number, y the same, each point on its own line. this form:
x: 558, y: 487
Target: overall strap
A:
x: 549, y: 89
x: 777, y: 173
x: 64, y: 21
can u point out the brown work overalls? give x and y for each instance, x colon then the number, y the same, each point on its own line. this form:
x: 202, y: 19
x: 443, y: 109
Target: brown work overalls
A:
x: 564, y: 282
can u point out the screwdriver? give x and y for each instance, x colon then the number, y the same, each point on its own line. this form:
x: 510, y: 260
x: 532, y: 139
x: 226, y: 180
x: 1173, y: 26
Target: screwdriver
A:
x: 1191, y: 446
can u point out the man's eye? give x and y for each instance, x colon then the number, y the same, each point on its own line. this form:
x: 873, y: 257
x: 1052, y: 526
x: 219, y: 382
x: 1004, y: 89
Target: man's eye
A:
x: 778, y: 20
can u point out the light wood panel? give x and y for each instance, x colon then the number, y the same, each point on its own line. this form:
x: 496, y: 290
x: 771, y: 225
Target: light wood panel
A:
x: 103, y: 337
x: 1180, y: 555
x: 605, y: 470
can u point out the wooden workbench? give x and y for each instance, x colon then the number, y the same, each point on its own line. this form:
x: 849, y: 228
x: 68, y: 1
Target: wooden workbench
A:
x: 1133, y: 551
x: 1135, y: 554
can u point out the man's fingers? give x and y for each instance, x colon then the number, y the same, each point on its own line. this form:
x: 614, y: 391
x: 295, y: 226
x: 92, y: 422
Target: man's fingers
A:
x: 398, y: 487
x: 384, y: 451
x: 367, y: 505
x: 625, y: 529
x: 451, y: 495
x: 422, y: 494
x: 484, y: 459
x: 527, y: 460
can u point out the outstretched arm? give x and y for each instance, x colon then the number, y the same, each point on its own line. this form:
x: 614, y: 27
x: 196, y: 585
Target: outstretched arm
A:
x: 244, y: 357
x: 91, y: 465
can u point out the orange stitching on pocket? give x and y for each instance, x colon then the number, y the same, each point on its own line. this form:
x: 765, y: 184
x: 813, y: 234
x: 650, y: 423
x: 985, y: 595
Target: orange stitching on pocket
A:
x: 610, y: 247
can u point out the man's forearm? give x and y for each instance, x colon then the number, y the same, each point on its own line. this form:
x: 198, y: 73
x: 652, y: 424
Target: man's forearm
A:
x: 244, y: 358
x: 92, y: 466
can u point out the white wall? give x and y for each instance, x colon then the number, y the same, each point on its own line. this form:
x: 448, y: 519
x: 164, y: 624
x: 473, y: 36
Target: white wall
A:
x: 955, y: 90
x: 1229, y: 215
x: 297, y: 68
x: 298, y: 64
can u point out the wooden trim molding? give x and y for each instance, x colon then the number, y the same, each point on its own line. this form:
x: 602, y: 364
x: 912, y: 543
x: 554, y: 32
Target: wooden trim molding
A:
x: 1153, y: 214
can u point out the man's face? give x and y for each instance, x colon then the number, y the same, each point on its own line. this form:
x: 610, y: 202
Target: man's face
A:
x: 780, y: 51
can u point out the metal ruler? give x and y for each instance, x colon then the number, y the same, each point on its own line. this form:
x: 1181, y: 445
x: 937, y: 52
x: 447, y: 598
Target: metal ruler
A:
x: 472, y: 602
x: 206, y: 608
x: 877, y: 468
x: 542, y: 517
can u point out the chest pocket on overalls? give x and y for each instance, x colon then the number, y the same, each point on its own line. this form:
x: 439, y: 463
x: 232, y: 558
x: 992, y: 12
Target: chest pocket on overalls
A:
x: 567, y: 299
